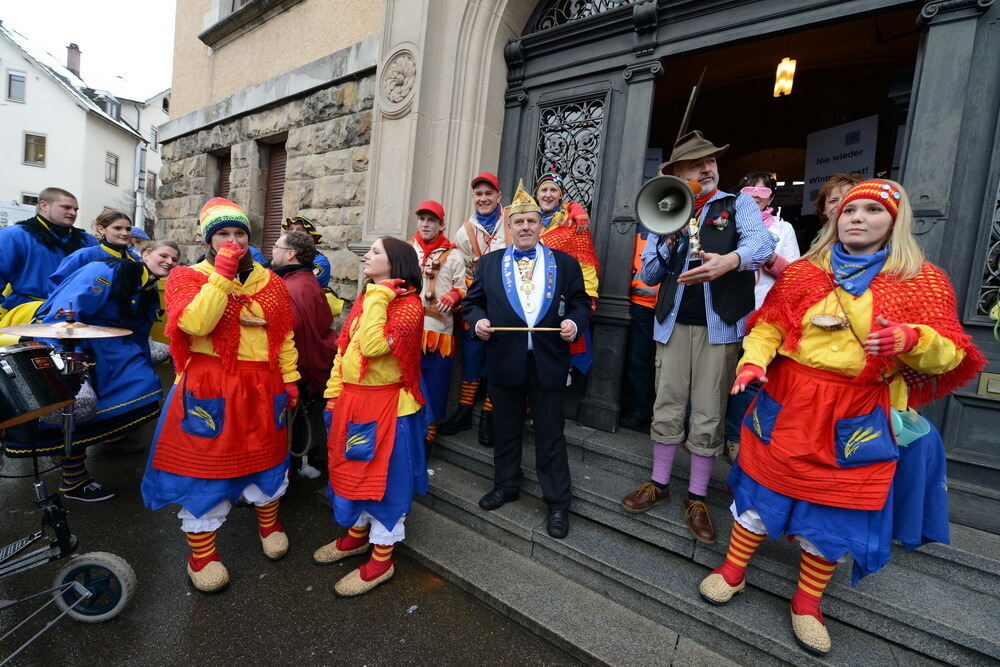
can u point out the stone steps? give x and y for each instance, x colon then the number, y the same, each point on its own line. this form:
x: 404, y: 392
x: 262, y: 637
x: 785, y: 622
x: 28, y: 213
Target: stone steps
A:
x: 551, y: 605
x: 936, y: 601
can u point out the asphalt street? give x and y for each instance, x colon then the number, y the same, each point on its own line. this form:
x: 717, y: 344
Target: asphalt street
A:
x: 273, y: 613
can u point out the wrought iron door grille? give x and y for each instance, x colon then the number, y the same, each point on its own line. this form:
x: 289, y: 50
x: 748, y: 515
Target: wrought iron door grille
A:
x: 990, y: 288
x: 564, y: 11
x: 569, y: 141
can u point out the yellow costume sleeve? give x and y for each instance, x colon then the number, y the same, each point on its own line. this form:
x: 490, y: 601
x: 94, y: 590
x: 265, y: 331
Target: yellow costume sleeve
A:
x: 589, y: 279
x: 288, y: 360
x: 206, y: 309
x: 761, y: 345
x: 336, y: 381
x: 371, y: 328
x: 933, y: 354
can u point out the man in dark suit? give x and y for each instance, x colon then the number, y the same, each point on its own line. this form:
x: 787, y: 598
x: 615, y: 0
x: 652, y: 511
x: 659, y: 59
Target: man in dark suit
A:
x: 528, y: 286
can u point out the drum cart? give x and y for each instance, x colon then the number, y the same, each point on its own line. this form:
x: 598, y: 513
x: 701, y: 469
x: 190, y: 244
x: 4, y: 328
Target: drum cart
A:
x: 92, y: 587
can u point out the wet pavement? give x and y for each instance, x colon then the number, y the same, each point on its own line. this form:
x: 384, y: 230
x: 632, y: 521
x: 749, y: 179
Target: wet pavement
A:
x: 272, y: 613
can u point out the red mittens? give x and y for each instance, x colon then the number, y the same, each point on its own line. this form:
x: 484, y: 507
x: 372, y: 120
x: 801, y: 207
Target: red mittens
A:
x: 451, y: 297
x: 892, y: 338
x: 227, y: 260
x: 292, y: 390
x: 395, y: 284
x: 747, y: 375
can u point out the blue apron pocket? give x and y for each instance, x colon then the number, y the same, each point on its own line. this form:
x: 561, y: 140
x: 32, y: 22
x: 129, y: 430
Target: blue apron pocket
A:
x: 280, y: 413
x: 763, y: 413
x: 203, y: 417
x: 360, y: 443
x: 864, y: 440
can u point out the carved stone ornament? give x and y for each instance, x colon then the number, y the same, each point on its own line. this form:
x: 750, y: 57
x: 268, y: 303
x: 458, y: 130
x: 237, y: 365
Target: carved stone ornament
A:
x: 399, y: 75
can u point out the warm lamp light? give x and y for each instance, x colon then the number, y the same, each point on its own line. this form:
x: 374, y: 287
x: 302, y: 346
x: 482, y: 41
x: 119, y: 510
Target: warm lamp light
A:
x: 783, y: 78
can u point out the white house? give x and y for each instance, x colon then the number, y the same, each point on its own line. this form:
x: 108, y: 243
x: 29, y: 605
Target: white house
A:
x: 57, y: 131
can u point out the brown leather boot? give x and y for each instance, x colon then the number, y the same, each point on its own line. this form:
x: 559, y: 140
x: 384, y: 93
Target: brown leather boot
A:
x: 644, y: 497
x: 699, y: 520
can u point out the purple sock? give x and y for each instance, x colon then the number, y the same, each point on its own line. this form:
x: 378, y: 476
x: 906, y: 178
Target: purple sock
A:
x: 663, y: 462
x: 701, y: 471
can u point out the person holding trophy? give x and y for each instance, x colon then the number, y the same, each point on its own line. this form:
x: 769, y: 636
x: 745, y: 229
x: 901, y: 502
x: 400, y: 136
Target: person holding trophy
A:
x: 706, y: 290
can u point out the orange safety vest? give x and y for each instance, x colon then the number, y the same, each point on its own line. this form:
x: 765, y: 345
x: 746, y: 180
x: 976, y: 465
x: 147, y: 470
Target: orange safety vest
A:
x: 640, y: 293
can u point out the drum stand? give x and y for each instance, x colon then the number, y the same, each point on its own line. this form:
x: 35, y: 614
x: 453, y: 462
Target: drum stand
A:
x: 93, y: 587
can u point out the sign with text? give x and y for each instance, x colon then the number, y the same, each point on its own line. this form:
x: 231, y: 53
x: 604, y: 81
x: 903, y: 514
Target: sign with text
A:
x: 847, y: 148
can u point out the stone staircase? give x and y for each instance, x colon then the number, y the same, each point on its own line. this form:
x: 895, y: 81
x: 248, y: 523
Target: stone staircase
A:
x: 636, y: 575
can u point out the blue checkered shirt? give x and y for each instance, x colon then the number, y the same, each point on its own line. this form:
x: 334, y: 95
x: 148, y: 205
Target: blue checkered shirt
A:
x: 755, y: 246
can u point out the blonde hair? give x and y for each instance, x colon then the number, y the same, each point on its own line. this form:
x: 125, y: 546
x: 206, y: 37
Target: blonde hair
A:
x: 905, y: 256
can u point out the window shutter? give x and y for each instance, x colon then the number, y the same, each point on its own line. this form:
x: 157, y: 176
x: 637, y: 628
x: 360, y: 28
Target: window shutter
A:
x: 225, y: 168
x: 273, y: 198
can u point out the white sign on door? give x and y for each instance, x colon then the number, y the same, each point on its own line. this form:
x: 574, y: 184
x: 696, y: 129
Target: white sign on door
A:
x: 847, y: 148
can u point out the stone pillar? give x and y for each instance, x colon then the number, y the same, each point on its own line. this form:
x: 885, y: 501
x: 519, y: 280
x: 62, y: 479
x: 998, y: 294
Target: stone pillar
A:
x: 599, y: 409
x: 248, y: 184
x: 439, y: 107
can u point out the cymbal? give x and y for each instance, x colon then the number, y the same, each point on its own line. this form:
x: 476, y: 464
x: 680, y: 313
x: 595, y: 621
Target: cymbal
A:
x: 64, y: 330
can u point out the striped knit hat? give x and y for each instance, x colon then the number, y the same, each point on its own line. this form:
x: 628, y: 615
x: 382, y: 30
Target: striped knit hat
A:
x: 884, y: 192
x: 551, y: 176
x: 218, y: 213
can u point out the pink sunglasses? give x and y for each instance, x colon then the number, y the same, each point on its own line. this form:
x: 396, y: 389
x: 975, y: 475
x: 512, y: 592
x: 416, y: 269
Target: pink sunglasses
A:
x: 761, y: 192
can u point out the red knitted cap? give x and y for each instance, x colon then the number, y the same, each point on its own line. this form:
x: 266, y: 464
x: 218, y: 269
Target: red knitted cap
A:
x: 883, y: 192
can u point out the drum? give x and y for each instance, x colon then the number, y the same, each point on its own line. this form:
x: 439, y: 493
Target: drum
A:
x: 30, y: 383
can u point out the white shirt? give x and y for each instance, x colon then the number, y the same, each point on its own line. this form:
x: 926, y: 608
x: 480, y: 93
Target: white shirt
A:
x: 532, y: 307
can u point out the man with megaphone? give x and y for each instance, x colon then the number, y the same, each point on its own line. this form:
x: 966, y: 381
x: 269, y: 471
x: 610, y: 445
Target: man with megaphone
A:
x: 705, y: 275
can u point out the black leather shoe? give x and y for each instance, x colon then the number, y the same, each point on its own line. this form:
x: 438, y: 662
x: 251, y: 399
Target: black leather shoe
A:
x: 558, y: 524
x: 496, y: 499
x: 460, y: 420
x: 631, y: 421
x: 486, y: 428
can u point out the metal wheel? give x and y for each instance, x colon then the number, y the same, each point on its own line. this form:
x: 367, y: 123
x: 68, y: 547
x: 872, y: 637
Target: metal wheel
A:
x: 110, y: 580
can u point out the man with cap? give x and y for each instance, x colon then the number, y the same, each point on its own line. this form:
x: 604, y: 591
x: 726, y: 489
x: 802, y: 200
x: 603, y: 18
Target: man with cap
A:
x: 443, y: 271
x: 706, y: 290
x: 321, y: 265
x: 481, y: 234
x: 527, y: 286
x: 222, y: 436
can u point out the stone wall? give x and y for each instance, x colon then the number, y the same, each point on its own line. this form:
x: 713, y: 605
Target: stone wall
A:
x: 326, y: 134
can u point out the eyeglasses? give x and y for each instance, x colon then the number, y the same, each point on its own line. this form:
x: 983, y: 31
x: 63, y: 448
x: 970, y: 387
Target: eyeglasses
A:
x: 761, y: 192
x: 281, y: 247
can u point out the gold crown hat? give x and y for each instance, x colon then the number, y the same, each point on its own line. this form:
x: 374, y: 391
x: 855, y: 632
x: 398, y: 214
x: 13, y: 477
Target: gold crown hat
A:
x: 523, y: 202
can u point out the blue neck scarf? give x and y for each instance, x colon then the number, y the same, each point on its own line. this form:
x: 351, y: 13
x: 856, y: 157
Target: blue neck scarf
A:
x: 547, y: 216
x: 489, y: 222
x: 854, y: 273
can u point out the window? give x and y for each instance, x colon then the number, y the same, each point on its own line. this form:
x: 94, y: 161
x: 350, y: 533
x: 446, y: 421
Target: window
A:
x: 30, y: 200
x: 154, y: 138
x: 111, y: 168
x: 34, y: 149
x: 112, y: 108
x: 15, y: 86
x: 150, y: 184
x: 237, y: 4
x: 166, y: 104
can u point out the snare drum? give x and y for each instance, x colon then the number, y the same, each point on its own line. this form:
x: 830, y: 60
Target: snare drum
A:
x: 30, y: 383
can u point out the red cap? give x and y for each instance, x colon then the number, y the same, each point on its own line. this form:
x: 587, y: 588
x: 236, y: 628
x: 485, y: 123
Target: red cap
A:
x: 489, y: 178
x: 433, y: 207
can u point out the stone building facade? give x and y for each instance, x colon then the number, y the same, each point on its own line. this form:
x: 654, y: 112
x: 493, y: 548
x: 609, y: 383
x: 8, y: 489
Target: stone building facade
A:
x: 325, y: 133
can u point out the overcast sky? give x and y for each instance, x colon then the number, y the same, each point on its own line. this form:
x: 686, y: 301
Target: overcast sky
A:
x: 127, y: 45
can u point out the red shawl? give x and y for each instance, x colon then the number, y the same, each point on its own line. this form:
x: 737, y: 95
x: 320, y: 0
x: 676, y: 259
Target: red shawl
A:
x: 404, y: 326
x: 926, y: 299
x: 567, y: 232
x: 183, y: 286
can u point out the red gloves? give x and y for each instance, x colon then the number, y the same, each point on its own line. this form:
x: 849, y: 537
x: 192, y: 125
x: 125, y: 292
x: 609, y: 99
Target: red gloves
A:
x: 593, y: 305
x: 892, y: 338
x: 395, y: 284
x: 292, y: 389
x: 330, y: 403
x: 747, y: 375
x: 227, y: 260
x: 451, y: 297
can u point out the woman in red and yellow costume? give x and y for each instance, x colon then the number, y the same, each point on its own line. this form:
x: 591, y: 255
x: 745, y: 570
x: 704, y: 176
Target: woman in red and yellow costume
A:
x: 566, y: 227
x: 376, y: 444
x: 860, y: 326
x: 222, y: 435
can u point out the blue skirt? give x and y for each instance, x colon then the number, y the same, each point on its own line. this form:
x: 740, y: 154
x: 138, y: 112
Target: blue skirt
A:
x: 407, y: 476
x: 198, y: 495
x: 915, y: 513
x: 435, y: 378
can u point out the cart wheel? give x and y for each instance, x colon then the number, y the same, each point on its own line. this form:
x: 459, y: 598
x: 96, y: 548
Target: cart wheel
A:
x: 108, y: 577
